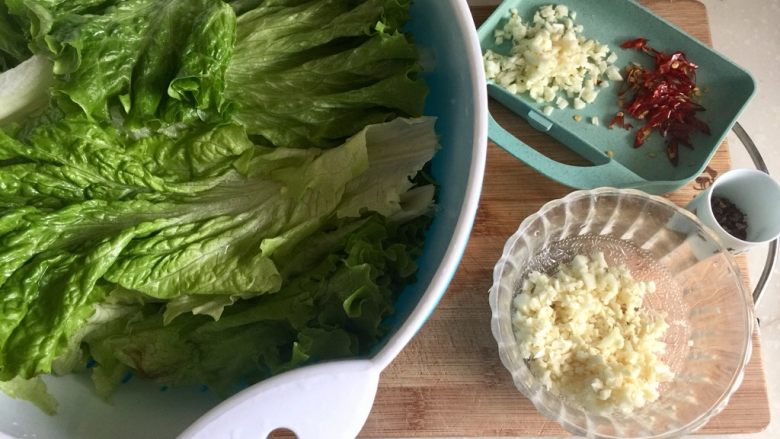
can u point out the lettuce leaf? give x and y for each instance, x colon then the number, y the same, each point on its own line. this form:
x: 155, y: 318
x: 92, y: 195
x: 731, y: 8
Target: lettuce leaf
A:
x: 24, y: 90
x: 316, y: 72
x: 148, y: 59
x: 33, y: 390
x: 331, y: 307
x: 231, y: 239
x: 201, y: 191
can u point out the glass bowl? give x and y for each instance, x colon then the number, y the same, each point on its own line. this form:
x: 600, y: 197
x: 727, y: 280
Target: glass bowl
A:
x: 700, y: 289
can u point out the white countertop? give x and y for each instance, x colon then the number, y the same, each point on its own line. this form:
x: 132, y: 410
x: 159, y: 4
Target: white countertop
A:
x: 747, y: 32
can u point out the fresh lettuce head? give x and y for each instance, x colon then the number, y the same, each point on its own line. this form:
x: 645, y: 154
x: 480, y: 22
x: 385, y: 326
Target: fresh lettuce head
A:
x: 201, y: 191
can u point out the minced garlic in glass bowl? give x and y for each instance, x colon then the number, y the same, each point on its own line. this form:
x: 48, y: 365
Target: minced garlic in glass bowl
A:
x: 587, y: 337
x: 665, y: 304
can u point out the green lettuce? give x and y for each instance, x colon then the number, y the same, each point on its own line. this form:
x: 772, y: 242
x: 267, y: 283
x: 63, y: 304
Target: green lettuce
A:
x: 146, y: 59
x: 332, y: 307
x: 201, y: 191
x: 229, y: 240
x: 33, y: 390
x: 311, y: 73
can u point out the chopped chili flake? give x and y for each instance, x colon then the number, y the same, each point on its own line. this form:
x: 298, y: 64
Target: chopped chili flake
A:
x: 620, y: 121
x: 641, y: 136
x: 662, y: 97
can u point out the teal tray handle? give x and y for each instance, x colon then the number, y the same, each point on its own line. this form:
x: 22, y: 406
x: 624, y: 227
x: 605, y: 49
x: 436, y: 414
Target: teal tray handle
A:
x: 580, y: 177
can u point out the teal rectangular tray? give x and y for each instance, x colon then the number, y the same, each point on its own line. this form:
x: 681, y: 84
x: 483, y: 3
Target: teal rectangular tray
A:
x: 727, y: 90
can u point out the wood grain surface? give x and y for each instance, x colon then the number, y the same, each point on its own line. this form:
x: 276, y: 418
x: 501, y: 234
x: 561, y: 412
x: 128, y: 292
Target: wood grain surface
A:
x: 449, y: 380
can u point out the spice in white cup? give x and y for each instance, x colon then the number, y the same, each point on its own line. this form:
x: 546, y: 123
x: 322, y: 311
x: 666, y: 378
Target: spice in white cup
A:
x: 752, y: 193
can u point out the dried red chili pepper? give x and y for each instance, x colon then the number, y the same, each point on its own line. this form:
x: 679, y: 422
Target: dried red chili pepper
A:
x: 638, y: 43
x: 663, y: 97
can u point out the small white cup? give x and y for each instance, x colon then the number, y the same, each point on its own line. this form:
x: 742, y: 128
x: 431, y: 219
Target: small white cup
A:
x: 753, y: 192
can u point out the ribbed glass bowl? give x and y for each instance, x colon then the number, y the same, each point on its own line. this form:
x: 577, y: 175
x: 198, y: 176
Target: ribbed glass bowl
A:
x: 699, y: 288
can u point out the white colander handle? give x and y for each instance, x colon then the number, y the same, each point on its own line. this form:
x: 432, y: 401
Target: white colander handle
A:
x: 330, y: 400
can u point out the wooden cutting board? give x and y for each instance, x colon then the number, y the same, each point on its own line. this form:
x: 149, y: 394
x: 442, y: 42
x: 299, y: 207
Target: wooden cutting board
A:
x: 449, y: 380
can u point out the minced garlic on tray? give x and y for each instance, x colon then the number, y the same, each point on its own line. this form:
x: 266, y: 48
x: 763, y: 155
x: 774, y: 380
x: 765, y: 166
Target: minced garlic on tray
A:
x: 587, y: 337
x: 550, y: 55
